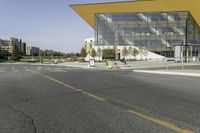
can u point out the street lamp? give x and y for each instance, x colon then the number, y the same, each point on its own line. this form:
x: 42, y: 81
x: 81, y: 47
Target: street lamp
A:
x: 181, y: 55
x: 186, y: 40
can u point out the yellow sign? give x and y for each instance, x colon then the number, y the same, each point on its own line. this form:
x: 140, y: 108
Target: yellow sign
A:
x: 110, y: 65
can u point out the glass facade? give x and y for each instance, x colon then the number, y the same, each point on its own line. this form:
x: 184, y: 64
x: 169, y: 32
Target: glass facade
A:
x: 156, y: 31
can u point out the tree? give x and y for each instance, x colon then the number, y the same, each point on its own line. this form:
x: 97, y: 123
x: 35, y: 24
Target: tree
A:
x: 145, y: 53
x: 115, y: 51
x: 124, y: 52
x: 108, y: 53
x: 1, y: 53
x: 135, y: 52
x: 130, y: 51
x: 89, y: 52
x: 93, y: 53
x: 99, y: 52
x: 141, y: 51
x: 83, y: 52
x: 15, y: 54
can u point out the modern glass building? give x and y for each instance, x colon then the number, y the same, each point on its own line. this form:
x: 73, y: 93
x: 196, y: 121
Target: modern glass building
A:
x: 159, y: 32
x: 157, y: 25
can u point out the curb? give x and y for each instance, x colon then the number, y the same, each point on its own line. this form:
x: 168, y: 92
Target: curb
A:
x: 168, y: 73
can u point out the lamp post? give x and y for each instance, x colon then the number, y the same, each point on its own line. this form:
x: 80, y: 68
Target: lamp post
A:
x: 181, y: 56
x: 186, y: 41
x: 165, y: 44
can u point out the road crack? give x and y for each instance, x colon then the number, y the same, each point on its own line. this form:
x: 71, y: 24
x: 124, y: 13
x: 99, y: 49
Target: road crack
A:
x: 32, y: 122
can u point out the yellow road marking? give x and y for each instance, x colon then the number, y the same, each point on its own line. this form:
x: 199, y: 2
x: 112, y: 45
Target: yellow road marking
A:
x: 160, y: 122
x: 69, y: 86
x: 73, y: 88
x: 57, y: 81
x: 144, y: 116
x: 94, y: 96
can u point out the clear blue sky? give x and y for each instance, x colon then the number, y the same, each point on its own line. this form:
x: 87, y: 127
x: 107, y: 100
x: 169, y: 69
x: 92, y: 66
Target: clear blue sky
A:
x: 49, y: 24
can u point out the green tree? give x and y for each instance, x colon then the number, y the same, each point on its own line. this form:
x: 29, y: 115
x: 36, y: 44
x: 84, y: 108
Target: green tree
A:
x: 124, y: 52
x: 89, y: 52
x: 93, y: 53
x: 108, y: 53
x: 83, y: 52
x: 130, y: 50
x: 135, y: 52
x: 115, y: 51
x: 15, y: 54
x: 99, y: 52
x: 1, y: 53
x: 145, y: 52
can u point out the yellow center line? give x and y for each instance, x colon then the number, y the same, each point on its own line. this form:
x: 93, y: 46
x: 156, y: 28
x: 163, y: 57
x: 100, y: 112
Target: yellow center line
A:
x: 139, y: 114
x: 160, y: 122
x: 69, y: 86
x: 94, y: 96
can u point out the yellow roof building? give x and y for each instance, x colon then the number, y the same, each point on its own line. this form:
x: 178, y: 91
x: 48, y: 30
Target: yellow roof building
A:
x: 88, y: 11
x: 157, y: 25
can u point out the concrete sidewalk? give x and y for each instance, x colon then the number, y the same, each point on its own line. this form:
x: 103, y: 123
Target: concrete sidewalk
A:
x: 130, y: 65
x: 153, y: 64
x: 193, y: 73
x: 98, y: 65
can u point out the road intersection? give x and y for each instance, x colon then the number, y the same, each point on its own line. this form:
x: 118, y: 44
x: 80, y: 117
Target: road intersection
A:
x: 38, y: 98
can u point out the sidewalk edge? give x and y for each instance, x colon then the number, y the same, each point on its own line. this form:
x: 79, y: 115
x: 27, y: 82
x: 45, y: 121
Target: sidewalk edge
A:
x: 168, y: 73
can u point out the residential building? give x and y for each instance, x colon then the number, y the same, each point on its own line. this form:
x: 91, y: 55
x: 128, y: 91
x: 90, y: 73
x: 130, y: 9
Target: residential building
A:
x: 28, y: 50
x: 33, y: 51
x: 8, y: 45
x: 21, y: 46
x: 5, y: 46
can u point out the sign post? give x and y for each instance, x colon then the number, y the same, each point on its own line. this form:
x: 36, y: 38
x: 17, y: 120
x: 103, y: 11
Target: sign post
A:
x: 91, y: 63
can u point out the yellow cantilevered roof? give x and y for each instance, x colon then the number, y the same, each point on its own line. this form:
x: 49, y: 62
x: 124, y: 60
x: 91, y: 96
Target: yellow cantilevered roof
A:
x: 88, y: 11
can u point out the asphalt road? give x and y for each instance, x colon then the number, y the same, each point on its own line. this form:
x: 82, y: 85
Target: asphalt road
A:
x: 52, y: 99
